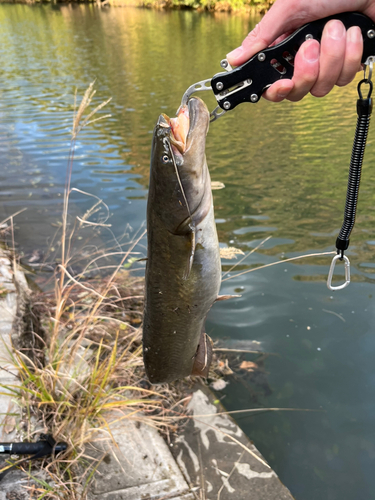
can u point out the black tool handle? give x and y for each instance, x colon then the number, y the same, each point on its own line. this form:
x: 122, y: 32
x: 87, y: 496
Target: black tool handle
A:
x: 30, y: 448
x: 40, y: 447
x: 275, y: 63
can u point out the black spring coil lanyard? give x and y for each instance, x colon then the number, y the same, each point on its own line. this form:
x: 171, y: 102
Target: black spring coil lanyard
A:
x: 364, y: 109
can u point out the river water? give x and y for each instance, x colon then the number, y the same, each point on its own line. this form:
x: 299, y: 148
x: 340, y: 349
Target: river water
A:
x: 285, y: 171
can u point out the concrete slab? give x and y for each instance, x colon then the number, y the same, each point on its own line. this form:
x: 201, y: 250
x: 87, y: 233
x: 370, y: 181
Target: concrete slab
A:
x: 8, y: 308
x: 7, y: 368
x: 7, y: 404
x: 15, y: 486
x: 210, y: 451
x: 8, y: 374
x: 139, y: 466
x: 189, y: 496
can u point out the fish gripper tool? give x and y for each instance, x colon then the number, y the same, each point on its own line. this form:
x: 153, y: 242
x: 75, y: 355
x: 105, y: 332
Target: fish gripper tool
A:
x: 246, y: 83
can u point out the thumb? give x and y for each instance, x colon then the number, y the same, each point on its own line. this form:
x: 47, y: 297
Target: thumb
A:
x: 284, y: 16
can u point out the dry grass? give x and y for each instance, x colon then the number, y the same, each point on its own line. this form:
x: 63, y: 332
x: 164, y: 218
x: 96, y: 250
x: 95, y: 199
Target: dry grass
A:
x: 94, y: 365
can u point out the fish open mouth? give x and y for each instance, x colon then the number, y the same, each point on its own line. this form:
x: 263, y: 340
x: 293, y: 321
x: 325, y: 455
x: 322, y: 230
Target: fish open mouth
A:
x: 189, y: 125
x: 180, y: 128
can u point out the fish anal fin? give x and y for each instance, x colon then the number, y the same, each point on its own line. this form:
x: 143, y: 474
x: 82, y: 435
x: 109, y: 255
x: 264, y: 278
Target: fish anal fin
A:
x: 203, y: 356
x: 226, y: 297
x: 189, y: 263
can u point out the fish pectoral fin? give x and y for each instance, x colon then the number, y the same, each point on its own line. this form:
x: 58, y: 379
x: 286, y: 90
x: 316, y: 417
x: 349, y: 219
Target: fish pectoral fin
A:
x: 203, y: 356
x: 190, y: 260
x: 226, y: 297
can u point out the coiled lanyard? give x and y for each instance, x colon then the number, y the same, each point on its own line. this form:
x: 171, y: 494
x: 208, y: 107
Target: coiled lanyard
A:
x: 364, y: 109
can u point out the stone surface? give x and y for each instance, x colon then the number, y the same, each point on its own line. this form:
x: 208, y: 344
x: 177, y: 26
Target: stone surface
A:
x: 139, y: 466
x: 8, y: 374
x: 13, y: 486
x: 211, y: 452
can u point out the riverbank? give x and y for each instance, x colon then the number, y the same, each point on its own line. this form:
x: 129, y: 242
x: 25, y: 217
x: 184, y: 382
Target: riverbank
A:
x: 210, y: 454
x: 251, y: 6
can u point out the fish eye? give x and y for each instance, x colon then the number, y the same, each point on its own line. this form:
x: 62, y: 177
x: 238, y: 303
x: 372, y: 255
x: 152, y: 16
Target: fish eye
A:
x: 165, y: 158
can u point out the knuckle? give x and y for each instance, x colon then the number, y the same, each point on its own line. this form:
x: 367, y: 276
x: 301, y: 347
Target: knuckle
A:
x: 319, y: 92
x: 295, y: 98
x: 344, y: 80
x: 334, y: 57
x: 256, y: 34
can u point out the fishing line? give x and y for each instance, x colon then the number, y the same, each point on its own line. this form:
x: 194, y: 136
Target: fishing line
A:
x: 247, y: 255
x: 179, y: 182
x: 279, y: 262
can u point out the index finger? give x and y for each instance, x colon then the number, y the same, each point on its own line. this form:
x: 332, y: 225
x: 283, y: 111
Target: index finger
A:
x: 284, y: 16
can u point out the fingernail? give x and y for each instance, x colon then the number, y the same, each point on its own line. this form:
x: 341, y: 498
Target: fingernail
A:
x: 354, y: 34
x: 336, y: 30
x: 311, y: 52
x: 235, y: 53
x: 283, y: 92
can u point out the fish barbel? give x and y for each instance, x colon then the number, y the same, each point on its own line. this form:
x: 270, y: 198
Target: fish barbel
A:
x: 183, y: 270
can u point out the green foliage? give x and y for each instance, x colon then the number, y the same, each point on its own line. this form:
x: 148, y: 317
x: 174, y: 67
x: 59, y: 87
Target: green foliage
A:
x: 211, y: 5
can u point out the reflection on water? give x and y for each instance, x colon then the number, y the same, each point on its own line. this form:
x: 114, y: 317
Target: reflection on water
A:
x: 285, y: 171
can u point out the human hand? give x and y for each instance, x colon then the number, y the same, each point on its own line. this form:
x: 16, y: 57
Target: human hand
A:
x: 317, y: 67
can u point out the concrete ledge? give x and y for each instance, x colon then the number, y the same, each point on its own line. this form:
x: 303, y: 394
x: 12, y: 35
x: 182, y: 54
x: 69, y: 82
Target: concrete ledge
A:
x: 140, y: 466
x: 213, y: 462
x: 15, y: 484
x: 8, y: 374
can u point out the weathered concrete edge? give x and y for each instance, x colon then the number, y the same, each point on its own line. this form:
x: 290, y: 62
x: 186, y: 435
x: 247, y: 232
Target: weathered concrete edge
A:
x: 217, y: 457
x: 13, y: 282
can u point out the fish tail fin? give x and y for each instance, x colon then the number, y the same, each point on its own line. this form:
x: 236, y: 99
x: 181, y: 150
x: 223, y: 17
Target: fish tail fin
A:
x: 203, y: 356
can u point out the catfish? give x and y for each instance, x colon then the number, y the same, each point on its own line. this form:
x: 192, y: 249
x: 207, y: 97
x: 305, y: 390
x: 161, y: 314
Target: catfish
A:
x: 183, y: 269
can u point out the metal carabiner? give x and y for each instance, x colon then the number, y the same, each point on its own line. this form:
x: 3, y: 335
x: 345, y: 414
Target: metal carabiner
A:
x: 370, y: 64
x: 332, y: 268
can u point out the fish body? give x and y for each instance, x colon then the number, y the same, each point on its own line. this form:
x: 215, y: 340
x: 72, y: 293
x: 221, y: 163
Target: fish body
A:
x: 183, y: 270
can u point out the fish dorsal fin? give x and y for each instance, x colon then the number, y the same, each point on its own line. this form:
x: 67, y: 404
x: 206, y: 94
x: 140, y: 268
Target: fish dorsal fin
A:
x: 189, y: 263
x: 226, y: 297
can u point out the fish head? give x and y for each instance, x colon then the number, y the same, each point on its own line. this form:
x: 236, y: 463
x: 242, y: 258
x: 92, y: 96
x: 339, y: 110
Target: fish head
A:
x: 179, y: 190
